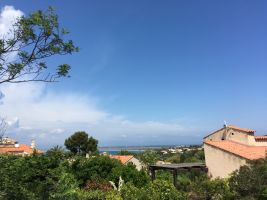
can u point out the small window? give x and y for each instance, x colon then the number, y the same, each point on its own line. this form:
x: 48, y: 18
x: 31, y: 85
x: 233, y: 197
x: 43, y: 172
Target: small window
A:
x: 232, y: 133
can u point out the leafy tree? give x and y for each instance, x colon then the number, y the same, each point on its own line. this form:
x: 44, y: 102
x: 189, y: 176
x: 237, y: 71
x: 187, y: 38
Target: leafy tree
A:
x: 34, y: 39
x: 173, y: 158
x: 81, y: 143
x: 149, y: 157
x: 130, y: 192
x: 158, y: 190
x: 66, y: 188
x: 162, y: 190
x: 31, y: 177
x: 129, y: 173
x: 95, y: 168
x: 250, y: 181
x: 125, y: 153
x: 206, y: 189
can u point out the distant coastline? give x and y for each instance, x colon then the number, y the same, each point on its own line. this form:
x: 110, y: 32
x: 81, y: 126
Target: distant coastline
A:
x: 137, y: 149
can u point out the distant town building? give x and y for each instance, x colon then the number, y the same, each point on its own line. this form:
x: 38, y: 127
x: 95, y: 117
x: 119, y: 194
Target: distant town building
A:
x: 230, y: 147
x: 161, y: 162
x: 11, y: 146
x: 128, y: 159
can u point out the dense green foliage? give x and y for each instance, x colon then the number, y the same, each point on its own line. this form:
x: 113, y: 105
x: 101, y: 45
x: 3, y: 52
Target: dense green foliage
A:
x: 58, y: 174
x: 81, y: 143
x: 33, y: 39
x: 149, y: 157
x: 158, y: 190
x: 250, y: 181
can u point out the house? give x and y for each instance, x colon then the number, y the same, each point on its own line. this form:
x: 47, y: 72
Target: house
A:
x: 10, y: 146
x: 230, y: 147
x: 128, y: 159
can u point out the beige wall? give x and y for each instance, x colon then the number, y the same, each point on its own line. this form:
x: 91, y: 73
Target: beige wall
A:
x: 264, y: 143
x: 233, y: 135
x: 221, y: 163
x: 136, y: 162
x: 239, y: 136
x: 217, y: 136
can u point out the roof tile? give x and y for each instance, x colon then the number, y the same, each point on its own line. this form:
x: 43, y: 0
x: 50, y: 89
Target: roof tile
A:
x: 241, y: 129
x: 260, y: 137
x: 22, y: 148
x: 247, y: 152
x: 123, y: 159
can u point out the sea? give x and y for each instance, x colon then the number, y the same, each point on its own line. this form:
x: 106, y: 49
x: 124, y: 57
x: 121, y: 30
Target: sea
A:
x: 133, y: 149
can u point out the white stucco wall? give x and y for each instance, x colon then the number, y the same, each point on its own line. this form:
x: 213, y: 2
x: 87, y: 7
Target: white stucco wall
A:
x: 220, y: 163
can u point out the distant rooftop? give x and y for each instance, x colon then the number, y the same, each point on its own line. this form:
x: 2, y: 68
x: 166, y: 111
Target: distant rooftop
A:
x: 21, y: 148
x: 123, y: 159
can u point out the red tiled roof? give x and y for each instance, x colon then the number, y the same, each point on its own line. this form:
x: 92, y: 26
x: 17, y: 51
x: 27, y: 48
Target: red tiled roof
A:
x: 123, y: 159
x: 244, y: 151
x: 23, y: 148
x: 261, y: 137
x: 241, y: 129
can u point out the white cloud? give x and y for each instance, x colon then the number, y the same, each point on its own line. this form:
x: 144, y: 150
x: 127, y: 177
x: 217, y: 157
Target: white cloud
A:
x: 8, y: 16
x: 58, y: 131
x: 13, y: 123
x: 35, y: 111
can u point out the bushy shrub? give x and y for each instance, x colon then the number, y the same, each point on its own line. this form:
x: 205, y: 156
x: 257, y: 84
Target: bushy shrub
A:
x: 250, y: 181
x: 99, y: 195
x: 66, y: 188
x: 206, y: 189
x: 158, y: 190
x: 130, y: 192
x: 31, y: 177
x: 162, y: 190
x: 129, y: 173
x: 95, y: 168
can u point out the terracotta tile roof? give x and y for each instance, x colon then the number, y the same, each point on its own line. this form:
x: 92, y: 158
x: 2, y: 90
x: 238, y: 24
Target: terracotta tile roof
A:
x: 123, y: 159
x: 241, y: 129
x: 260, y: 137
x: 244, y: 151
x: 23, y: 148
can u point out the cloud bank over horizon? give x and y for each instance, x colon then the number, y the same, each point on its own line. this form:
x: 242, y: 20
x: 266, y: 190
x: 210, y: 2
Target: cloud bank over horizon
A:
x: 33, y: 111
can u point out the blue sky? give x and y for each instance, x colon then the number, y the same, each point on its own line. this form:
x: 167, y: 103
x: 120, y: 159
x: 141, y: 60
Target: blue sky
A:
x: 168, y: 70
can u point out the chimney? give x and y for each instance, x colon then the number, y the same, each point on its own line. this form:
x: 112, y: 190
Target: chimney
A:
x: 33, y: 145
